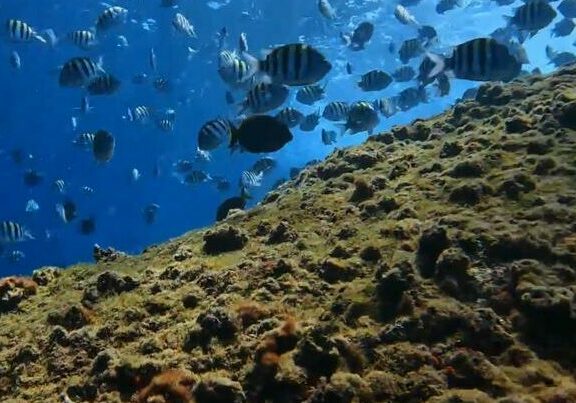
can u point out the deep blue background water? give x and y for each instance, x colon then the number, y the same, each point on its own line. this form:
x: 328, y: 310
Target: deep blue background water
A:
x: 35, y: 113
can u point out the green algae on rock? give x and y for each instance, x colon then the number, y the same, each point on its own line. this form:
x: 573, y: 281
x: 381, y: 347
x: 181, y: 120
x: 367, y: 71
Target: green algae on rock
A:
x: 433, y: 263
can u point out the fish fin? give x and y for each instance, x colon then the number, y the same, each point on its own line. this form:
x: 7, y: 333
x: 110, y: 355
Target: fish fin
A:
x: 439, y: 64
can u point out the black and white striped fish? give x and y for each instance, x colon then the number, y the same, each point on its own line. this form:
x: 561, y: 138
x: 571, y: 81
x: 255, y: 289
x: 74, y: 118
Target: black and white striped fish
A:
x: 290, y: 117
x: 328, y: 137
x: 375, y: 80
x: 84, y: 140
x: 214, y: 133
x: 11, y: 231
x: 105, y: 84
x: 110, y: 18
x: 310, y: 94
x: 80, y: 71
x: 59, y: 185
x: 404, y: 16
x: 232, y: 69
x: 83, y: 38
x: 250, y: 179
x: 410, y: 49
x: 264, y: 97
x: 385, y: 106
x: 294, y: 64
x: 19, y: 31
x: 196, y: 177
x: 336, y: 111
x: 533, y: 16
x: 166, y: 125
x: 481, y: 59
x: 182, y: 25
x: 310, y: 122
x: 140, y: 114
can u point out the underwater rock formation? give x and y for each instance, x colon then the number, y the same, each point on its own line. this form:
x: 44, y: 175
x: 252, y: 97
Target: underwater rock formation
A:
x: 433, y: 263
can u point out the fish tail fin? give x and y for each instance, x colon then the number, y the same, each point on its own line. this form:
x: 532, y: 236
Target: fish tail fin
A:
x: 439, y: 64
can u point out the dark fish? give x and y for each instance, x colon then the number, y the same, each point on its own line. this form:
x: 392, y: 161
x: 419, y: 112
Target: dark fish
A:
x: 427, y: 33
x: 103, y: 146
x: 233, y: 203
x: 328, y: 137
x: 482, y: 59
x: 149, y: 213
x: 424, y: 70
x: 404, y: 74
x: 375, y: 80
x: 336, y: 111
x: 559, y: 58
x: 348, y: 68
x: 504, y: 2
x: 264, y: 97
x: 33, y: 178
x: 533, y: 16
x: 410, y: 97
x: 290, y: 117
x: 568, y: 8
x: 410, y: 49
x: 264, y: 164
x: 183, y: 166
x: 443, y: 84
x: 361, y: 35
x: 310, y: 122
x: 11, y: 232
x: 447, y: 5
x: 410, y: 3
x: 260, y: 134
x: 361, y: 118
x: 213, y: 133
x: 310, y: 94
x: 392, y: 47
x: 87, y: 226
x: 294, y: 64
x: 18, y: 156
x: 470, y: 93
x: 222, y: 184
x: 563, y: 27
x: 105, y: 84
x: 79, y: 71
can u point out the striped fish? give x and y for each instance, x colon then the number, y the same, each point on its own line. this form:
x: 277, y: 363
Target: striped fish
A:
x: 250, y: 179
x: 140, y: 114
x: 481, y: 59
x: 375, y: 80
x: 214, y: 133
x: 105, y: 84
x: 290, y: 117
x: 310, y: 122
x: 195, y: 177
x: 19, y: 31
x: 110, y: 18
x: 59, y: 185
x: 166, y: 125
x: 84, y: 140
x: 13, y: 232
x: 310, y: 94
x: 336, y: 111
x: 533, y: 16
x: 328, y: 137
x: 232, y: 69
x: 264, y: 97
x: 294, y: 64
x: 80, y: 71
x: 385, y: 106
x: 410, y: 49
x: 84, y: 39
x: 182, y: 25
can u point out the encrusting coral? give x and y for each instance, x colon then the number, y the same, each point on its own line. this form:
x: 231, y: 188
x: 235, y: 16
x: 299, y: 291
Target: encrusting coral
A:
x: 433, y: 263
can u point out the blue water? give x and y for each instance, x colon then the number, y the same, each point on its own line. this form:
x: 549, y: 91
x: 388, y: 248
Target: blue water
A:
x: 36, y: 113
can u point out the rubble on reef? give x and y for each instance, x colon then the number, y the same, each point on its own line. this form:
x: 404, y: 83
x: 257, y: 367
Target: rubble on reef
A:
x: 434, y: 263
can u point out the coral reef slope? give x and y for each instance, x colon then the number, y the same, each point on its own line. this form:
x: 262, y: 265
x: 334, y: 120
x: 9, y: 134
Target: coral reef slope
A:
x: 436, y: 262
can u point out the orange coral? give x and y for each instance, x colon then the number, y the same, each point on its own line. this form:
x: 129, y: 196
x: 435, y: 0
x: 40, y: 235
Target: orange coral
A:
x: 174, y: 385
x: 251, y: 312
x: 277, y: 343
x: 28, y: 285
